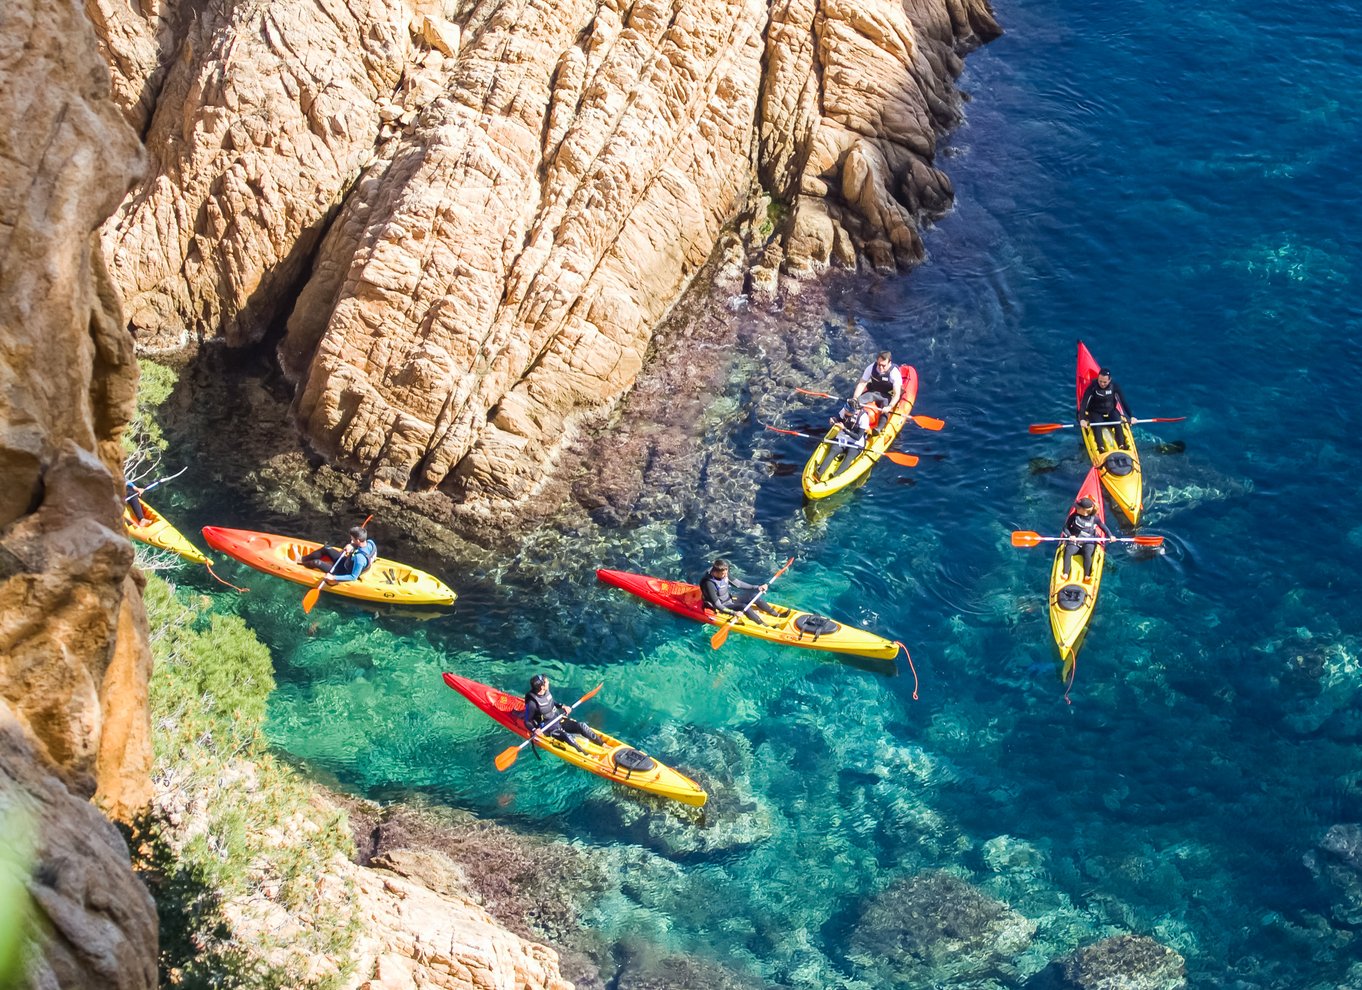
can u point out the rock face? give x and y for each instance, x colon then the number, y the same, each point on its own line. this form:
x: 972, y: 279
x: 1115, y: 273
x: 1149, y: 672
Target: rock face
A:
x: 1125, y: 962
x: 422, y: 930
x: 513, y: 196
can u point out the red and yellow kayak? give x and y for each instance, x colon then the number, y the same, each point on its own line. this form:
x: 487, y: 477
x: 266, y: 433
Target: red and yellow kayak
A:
x: 385, y: 581
x: 614, y: 760
x: 158, y: 533
x: 1072, y: 601
x: 794, y: 628
x: 1120, y: 469
x: 833, y: 468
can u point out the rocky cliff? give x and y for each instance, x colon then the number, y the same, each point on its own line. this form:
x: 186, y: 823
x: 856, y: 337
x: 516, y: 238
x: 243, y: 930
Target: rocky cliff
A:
x: 474, y: 215
x: 73, y: 639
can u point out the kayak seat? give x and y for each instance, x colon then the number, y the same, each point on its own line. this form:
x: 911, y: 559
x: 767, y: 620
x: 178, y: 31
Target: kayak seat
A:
x: 631, y: 760
x: 1071, y: 597
x: 816, y: 625
x: 1118, y: 464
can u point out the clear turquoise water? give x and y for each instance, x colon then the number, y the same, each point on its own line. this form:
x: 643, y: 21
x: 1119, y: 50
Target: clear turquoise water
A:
x: 1174, y: 185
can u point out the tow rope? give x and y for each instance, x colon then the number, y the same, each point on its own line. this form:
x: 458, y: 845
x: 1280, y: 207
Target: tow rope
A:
x: 228, y: 583
x: 909, y: 657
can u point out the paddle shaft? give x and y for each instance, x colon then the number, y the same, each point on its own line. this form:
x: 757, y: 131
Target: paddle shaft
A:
x: 154, y: 484
x: 310, y: 599
x: 1051, y: 427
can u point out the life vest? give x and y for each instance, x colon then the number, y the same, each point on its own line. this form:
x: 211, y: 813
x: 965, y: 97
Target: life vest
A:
x: 539, y: 708
x: 1081, y: 525
x: 882, y: 382
x: 723, y: 595
x: 367, y: 554
x: 1102, y: 403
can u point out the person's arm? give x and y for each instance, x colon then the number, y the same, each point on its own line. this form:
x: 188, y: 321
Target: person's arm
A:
x: 741, y: 585
x: 896, y: 379
x: 865, y: 380
x: 346, y: 569
x: 526, y: 715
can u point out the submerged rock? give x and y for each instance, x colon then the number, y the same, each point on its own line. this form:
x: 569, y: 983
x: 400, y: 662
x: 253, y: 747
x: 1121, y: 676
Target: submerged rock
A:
x: 1124, y: 962
x: 934, y: 929
x: 1337, y: 863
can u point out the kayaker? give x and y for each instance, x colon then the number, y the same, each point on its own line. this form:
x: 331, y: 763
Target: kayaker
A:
x: 716, y: 588
x: 881, y: 383
x: 346, y: 563
x: 1104, y: 402
x: 1083, y: 522
x: 540, y: 709
x: 134, y: 503
x: 855, y: 421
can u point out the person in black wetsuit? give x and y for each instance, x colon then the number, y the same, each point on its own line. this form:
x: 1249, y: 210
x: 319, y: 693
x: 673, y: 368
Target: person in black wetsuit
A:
x: 881, y: 383
x: 1083, y: 522
x: 1104, y: 402
x: 716, y: 588
x: 541, y: 709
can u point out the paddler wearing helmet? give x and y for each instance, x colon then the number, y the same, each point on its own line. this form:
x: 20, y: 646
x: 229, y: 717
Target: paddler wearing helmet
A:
x: 1087, y: 525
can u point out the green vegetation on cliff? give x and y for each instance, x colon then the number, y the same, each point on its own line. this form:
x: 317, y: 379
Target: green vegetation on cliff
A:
x: 236, y: 845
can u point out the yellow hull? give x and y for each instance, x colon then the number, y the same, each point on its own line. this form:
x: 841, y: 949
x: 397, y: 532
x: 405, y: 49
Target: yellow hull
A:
x: 833, y: 468
x: 159, y: 533
x: 1125, y: 489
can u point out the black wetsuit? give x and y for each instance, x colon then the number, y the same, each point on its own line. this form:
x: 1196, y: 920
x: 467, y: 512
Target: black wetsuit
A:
x: 134, y: 503
x: 718, y: 596
x: 1104, y: 405
x: 540, y: 709
x: 1085, y: 526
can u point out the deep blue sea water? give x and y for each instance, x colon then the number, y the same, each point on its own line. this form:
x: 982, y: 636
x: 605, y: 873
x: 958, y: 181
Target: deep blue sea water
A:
x: 1176, y: 185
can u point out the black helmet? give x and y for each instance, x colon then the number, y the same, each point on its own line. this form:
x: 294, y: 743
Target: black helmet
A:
x: 537, y: 683
x: 1085, y: 504
x: 1104, y: 373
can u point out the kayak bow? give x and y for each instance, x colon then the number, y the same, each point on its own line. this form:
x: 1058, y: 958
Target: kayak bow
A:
x: 1120, y: 469
x: 161, y: 534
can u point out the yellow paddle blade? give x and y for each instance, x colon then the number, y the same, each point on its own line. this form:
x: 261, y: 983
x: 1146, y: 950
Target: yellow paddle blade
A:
x: 507, y: 757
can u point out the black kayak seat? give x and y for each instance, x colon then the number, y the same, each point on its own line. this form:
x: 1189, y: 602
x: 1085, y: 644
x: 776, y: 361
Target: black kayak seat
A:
x: 632, y: 760
x: 1118, y: 464
x: 815, y: 625
x: 1071, y: 597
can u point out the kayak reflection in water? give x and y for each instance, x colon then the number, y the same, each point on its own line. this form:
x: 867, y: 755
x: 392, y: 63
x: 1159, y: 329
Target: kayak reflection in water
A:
x: 346, y: 563
x: 541, y: 709
x: 716, y: 588
x: 1082, y: 522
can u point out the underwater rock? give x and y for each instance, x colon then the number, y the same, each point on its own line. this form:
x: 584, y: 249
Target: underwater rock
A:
x: 643, y: 969
x: 933, y: 929
x: 1124, y: 962
x: 1337, y: 863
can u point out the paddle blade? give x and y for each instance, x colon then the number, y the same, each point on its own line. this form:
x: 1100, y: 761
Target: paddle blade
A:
x: 907, y: 460
x: 507, y: 757
x: 310, y: 599
x: 809, y: 391
x: 590, y: 694
x: 1025, y: 538
x: 1165, y: 419
x: 1148, y: 541
x: 929, y: 422
x: 1047, y: 427
x: 717, y: 640
x: 777, y: 429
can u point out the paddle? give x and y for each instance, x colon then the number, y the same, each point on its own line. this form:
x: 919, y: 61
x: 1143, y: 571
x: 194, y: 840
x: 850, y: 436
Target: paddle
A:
x: 161, y: 481
x: 907, y: 460
x: 1051, y: 427
x: 507, y: 757
x: 1025, y: 538
x: 717, y: 640
x: 926, y: 422
x: 310, y: 599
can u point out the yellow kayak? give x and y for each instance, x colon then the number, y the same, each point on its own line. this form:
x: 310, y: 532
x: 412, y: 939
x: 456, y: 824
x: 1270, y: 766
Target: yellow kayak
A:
x: 1072, y: 601
x: 614, y: 760
x: 385, y: 581
x: 833, y: 468
x: 1119, y: 469
x: 159, y: 533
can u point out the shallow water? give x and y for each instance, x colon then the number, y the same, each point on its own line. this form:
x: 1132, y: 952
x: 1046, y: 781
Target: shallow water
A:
x: 1176, y: 187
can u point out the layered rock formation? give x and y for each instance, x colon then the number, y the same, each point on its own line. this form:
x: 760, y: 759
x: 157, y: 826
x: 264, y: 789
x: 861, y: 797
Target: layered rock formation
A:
x: 524, y: 191
x: 73, y: 642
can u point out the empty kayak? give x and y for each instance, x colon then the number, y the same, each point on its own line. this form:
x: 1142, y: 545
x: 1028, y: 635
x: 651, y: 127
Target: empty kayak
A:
x: 794, y: 628
x: 834, y: 467
x: 1073, y: 599
x: 614, y: 760
x: 159, y: 533
x: 1120, y: 469
x: 384, y: 581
